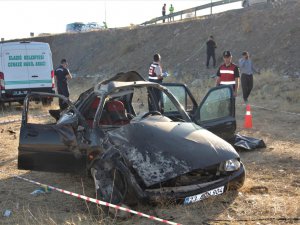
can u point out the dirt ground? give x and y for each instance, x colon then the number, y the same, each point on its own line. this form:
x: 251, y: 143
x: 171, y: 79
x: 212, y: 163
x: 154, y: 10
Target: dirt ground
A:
x: 271, y: 194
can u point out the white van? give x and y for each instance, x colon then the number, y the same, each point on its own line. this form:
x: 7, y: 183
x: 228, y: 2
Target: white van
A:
x: 25, y: 67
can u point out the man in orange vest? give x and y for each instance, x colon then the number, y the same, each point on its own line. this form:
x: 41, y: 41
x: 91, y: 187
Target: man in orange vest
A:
x: 228, y: 73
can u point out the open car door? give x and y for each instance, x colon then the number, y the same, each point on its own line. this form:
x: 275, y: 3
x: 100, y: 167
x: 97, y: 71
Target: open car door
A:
x: 46, y: 143
x: 216, y: 111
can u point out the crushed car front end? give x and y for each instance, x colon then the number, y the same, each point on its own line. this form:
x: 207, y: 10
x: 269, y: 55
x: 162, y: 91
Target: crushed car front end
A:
x: 198, y: 185
x: 176, y: 161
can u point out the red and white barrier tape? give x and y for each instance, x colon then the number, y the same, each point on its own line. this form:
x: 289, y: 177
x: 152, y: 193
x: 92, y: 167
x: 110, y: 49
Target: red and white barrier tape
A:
x: 272, y: 110
x: 17, y: 120
x: 98, y: 202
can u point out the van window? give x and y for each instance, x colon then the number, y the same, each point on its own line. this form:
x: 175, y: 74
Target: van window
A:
x: 75, y: 27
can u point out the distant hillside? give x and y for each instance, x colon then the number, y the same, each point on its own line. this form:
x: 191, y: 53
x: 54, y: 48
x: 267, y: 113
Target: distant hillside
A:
x: 270, y: 34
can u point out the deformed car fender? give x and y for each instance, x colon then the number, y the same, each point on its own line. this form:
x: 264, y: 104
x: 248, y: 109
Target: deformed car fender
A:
x: 103, y: 171
x: 160, y: 151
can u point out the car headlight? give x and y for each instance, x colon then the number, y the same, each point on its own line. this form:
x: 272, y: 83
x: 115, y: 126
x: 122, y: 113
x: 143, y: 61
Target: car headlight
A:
x: 231, y: 165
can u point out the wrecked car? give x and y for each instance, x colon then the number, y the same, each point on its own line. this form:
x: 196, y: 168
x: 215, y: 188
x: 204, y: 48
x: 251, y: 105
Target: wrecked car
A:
x: 139, y: 148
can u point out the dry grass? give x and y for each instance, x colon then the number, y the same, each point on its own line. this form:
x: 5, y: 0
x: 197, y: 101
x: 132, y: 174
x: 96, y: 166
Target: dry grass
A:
x: 271, y: 194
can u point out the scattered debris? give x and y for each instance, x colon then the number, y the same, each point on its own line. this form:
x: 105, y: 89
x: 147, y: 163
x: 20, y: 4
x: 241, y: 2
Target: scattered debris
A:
x: 10, y: 131
x: 7, y: 213
x: 259, y: 190
x: 41, y: 190
x: 37, y: 192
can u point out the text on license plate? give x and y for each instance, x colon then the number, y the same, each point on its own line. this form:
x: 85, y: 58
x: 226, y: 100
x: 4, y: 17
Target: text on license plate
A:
x: 19, y: 92
x: 199, y: 197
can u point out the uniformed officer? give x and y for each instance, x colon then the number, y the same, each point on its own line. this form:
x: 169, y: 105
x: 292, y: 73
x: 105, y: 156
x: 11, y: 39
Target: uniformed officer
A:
x: 228, y: 73
x: 155, y: 70
x: 156, y: 76
x: 62, y: 75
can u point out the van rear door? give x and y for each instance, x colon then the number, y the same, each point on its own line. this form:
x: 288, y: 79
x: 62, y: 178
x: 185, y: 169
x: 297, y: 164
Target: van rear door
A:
x: 38, y: 61
x: 15, y: 76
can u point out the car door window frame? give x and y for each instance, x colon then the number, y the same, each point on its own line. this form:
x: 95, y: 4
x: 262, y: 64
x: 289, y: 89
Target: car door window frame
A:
x: 197, y: 116
x: 187, y: 94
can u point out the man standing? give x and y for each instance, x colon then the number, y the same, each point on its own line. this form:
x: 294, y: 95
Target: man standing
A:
x: 62, y: 75
x: 156, y: 76
x: 210, y: 51
x: 164, y: 11
x: 247, y: 70
x: 171, y: 10
x: 228, y: 73
x: 155, y: 70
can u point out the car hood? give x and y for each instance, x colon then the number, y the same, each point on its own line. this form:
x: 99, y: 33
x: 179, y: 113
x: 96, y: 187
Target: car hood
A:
x: 160, y: 151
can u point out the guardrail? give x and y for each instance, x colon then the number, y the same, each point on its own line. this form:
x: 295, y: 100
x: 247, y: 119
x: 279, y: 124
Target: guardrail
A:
x: 191, y: 10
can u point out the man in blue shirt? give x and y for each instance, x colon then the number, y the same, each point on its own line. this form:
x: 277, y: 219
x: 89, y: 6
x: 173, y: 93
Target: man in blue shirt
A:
x: 247, y: 69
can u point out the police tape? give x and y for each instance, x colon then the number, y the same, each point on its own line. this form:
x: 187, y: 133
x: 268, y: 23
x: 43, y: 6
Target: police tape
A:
x: 285, y: 112
x: 98, y: 202
x: 272, y: 110
x: 20, y: 119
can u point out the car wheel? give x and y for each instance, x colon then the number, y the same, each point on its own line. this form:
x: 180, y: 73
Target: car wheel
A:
x: 110, y: 186
x: 46, y: 102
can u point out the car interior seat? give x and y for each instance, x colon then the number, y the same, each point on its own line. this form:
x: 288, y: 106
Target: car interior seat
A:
x: 90, y: 114
x: 104, y: 120
x: 117, y: 113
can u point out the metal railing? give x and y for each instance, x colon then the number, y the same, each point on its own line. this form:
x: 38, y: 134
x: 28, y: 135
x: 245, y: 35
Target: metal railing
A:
x: 191, y: 10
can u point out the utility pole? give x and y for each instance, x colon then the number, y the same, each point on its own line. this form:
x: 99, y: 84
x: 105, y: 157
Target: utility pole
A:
x: 210, y: 7
x: 105, y: 11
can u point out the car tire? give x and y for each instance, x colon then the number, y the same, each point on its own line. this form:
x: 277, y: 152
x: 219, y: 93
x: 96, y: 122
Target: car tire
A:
x: 109, y: 183
x: 111, y: 187
x: 46, y: 102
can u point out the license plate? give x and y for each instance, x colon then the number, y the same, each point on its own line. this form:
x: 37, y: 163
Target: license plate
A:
x: 204, y: 195
x: 19, y: 92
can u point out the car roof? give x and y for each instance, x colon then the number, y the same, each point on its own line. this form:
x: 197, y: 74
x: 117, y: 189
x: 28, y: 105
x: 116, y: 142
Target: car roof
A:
x: 131, y: 78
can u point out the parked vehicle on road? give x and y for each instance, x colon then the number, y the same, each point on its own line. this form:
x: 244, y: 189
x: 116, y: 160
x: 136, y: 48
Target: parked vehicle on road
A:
x: 135, y: 149
x: 25, y: 67
x: 91, y: 26
x: 74, y: 27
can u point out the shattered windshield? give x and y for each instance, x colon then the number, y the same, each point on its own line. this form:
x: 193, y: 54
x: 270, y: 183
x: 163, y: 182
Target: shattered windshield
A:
x: 125, y: 104
x: 83, y: 96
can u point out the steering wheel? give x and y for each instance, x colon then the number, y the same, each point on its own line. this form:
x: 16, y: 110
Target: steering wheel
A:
x: 152, y: 113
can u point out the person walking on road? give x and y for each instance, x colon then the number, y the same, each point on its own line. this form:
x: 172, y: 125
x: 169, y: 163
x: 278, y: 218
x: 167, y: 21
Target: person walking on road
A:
x: 62, y: 75
x: 164, y: 11
x: 210, y: 51
x: 228, y: 73
x: 156, y: 76
x: 171, y: 10
x: 247, y: 71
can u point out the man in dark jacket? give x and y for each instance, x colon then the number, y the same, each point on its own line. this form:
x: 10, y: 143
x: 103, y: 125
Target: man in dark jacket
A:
x: 210, y: 51
x: 62, y: 75
x: 164, y: 11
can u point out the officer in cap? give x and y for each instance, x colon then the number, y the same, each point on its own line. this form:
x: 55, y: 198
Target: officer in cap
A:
x: 228, y: 73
